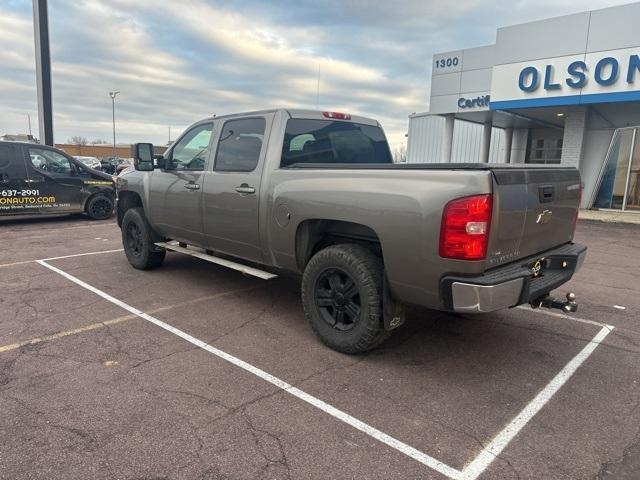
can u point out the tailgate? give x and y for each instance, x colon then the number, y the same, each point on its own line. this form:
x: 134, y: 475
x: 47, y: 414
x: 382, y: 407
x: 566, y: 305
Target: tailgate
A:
x: 534, y: 210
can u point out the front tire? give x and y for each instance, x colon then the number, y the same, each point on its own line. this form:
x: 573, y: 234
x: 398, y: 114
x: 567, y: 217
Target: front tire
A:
x: 342, y: 298
x: 100, y: 207
x: 138, y: 239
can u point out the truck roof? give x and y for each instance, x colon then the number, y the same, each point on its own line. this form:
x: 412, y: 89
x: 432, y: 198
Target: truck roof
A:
x: 303, y: 113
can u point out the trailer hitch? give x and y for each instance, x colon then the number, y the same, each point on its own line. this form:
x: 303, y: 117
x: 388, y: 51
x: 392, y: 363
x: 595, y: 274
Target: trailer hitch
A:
x: 546, y: 301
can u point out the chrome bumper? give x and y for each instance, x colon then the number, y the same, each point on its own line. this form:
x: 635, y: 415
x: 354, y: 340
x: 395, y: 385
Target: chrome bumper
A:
x: 470, y: 298
x: 513, y: 285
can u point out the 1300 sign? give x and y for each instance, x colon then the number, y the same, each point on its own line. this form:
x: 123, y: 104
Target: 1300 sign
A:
x: 447, y: 62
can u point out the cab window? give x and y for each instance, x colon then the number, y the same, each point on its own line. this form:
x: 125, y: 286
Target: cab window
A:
x: 329, y: 141
x: 192, y: 151
x: 50, y: 162
x: 240, y: 145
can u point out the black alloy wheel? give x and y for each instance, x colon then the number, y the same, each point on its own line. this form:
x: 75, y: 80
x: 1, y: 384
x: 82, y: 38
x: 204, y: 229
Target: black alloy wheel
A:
x: 342, y: 297
x: 138, y: 240
x: 134, y: 239
x: 101, y: 208
x: 337, y: 299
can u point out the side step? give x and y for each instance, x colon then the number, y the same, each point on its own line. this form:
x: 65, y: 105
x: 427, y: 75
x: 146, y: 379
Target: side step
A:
x: 217, y: 260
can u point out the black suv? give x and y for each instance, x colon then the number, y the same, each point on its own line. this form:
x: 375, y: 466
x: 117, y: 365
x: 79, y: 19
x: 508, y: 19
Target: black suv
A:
x: 37, y: 179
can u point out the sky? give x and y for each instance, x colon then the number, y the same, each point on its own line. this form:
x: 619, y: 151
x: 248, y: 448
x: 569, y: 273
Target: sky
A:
x: 177, y: 61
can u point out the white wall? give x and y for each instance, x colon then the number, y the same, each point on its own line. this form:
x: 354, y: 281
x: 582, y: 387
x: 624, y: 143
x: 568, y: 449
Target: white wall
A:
x: 424, y: 144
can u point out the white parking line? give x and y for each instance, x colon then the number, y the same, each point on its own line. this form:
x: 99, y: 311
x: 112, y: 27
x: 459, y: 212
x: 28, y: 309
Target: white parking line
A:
x: 80, y: 255
x: 502, y: 439
x: 24, y: 262
x: 470, y: 472
x: 550, y: 313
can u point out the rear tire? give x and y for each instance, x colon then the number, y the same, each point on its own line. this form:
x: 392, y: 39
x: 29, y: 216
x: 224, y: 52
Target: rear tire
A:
x: 138, y: 239
x: 100, y: 207
x: 342, y: 298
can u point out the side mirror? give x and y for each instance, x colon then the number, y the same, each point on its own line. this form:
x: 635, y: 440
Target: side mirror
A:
x: 143, y: 157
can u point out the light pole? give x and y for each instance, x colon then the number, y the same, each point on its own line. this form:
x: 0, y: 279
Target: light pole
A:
x: 113, y: 117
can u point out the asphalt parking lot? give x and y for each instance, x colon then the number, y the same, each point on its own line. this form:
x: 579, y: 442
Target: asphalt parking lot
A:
x: 193, y: 371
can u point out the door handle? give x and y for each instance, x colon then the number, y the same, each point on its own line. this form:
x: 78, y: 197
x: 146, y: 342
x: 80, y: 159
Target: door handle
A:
x: 35, y: 179
x: 244, y: 188
x: 192, y: 186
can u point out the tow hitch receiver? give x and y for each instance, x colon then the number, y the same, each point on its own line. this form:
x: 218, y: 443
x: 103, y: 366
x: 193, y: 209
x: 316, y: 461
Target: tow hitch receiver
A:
x: 568, y: 306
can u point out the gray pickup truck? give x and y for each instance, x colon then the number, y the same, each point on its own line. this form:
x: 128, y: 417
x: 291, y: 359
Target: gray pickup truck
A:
x: 317, y: 194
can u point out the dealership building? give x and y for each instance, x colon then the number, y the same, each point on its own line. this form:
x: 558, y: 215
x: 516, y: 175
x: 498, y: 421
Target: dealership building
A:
x: 560, y: 91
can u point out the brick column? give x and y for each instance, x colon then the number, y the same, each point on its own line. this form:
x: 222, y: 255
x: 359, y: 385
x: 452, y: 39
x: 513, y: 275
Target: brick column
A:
x: 575, y: 124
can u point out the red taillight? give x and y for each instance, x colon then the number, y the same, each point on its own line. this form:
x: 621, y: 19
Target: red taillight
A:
x: 337, y: 115
x: 464, y: 233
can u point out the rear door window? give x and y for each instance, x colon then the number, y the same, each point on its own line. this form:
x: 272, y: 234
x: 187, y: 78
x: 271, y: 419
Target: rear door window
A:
x: 11, y: 165
x: 327, y: 141
x: 240, y: 145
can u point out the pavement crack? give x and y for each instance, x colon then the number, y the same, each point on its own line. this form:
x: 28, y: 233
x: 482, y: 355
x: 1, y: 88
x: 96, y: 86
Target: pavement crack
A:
x: 632, y: 449
x: 255, y: 432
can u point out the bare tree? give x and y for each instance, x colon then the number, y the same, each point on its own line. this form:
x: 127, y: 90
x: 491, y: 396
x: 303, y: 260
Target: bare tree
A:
x: 99, y: 141
x: 77, y: 140
x: 400, y: 154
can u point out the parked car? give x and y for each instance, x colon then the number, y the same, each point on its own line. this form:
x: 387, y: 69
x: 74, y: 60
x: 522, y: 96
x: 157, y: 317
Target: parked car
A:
x: 91, y: 162
x: 317, y: 194
x: 110, y: 164
x: 37, y: 179
x: 124, y: 165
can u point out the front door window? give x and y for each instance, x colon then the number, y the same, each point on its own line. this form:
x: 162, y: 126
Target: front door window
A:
x: 50, y: 162
x: 192, y: 151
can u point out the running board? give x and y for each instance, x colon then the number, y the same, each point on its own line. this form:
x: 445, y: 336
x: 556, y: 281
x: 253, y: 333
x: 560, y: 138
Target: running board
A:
x: 217, y: 260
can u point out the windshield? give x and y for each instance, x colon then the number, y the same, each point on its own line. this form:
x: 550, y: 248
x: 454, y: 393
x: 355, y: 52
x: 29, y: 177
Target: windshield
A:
x: 328, y: 141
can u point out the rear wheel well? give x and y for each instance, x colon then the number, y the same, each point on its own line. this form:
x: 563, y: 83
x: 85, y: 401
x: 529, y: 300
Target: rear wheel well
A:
x: 314, y: 235
x: 126, y: 201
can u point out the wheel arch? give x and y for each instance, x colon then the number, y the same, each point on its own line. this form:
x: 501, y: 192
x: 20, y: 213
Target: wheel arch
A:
x: 126, y: 201
x: 312, y: 235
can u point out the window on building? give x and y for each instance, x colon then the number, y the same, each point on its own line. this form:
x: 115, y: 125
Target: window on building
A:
x: 545, y: 151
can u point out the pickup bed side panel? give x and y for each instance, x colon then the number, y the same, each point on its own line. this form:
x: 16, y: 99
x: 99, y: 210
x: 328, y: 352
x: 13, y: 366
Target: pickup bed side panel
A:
x: 404, y: 209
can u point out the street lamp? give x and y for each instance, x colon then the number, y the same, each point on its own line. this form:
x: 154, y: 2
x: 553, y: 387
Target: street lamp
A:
x: 113, y: 117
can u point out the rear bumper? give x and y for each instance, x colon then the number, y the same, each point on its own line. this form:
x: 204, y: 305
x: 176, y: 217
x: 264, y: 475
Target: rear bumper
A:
x: 513, y: 284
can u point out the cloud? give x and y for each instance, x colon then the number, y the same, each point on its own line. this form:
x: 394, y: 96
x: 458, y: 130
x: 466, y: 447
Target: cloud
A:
x: 178, y: 61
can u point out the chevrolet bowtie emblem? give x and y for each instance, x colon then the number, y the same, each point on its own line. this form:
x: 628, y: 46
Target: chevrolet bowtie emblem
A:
x: 536, y: 268
x: 544, y: 217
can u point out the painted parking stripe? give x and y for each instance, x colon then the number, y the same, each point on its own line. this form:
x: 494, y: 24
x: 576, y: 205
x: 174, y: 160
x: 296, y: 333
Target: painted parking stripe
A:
x: 81, y: 255
x: 564, y: 316
x: 502, y: 439
x: 66, y: 333
x: 470, y: 472
x: 24, y: 262
x: 325, y: 407
x: 114, y: 321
